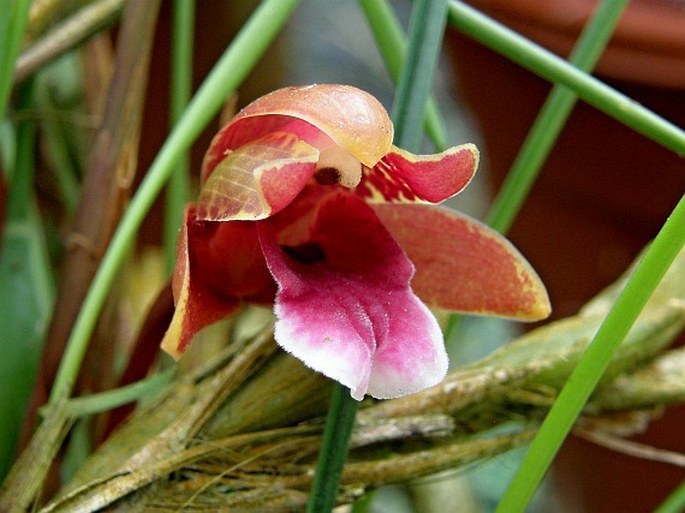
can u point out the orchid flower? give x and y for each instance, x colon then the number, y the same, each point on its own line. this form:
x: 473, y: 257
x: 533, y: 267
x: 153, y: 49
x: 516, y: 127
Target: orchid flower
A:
x: 308, y: 205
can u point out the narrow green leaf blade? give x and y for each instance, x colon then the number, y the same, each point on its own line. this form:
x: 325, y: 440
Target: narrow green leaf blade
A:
x: 27, y: 294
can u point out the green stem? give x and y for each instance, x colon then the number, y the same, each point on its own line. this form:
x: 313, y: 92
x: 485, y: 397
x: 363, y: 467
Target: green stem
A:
x: 595, y: 360
x: 12, y: 27
x: 547, y: 65
x: 392, y: 44
x: 552, y: 118
x: 178, y: 191
x: 426, y: 28
x: 77, y: 28
x: 235, y: 64
x: 333, y: 453
x: 56, y: 142
x: 674, y: 503
x: 110, y: 399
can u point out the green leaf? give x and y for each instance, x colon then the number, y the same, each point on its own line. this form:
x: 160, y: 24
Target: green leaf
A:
x: 12, y: 26
x: 27, y: 290
x: 552, y: 118
x: 426, y: 28
x: 596, y: 359
x: 56, y: 140
x: 392, y: 44
x: 674, y: 503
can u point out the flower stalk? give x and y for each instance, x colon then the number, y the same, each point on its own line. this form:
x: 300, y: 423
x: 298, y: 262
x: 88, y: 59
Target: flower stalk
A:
x: 334, y: 447
x: 409, y: 111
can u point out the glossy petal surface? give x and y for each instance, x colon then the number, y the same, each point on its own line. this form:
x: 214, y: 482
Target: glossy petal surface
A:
x: 351, y: 118
x: 464, y: 266
x: 344, y: 304
x: 401, y: 176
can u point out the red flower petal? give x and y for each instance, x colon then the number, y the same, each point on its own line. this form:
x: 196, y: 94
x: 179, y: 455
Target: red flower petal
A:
x: 401, y: 176
x: 228, y: 258
x: 257, y: 179
x: 197, y: 305
x: 462, y: 265
x: 344, y: 304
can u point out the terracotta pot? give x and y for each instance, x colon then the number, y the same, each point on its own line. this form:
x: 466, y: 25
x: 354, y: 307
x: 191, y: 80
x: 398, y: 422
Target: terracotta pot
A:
x: 603, y: 194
